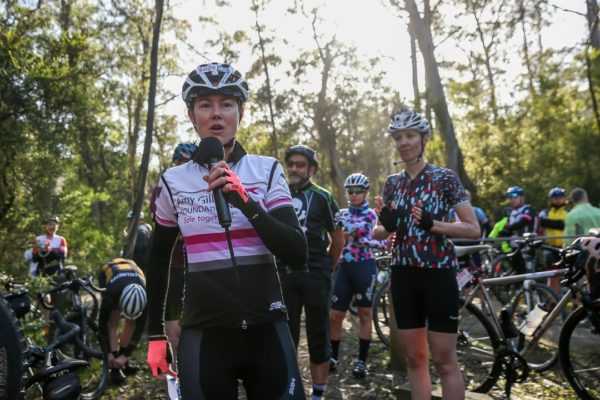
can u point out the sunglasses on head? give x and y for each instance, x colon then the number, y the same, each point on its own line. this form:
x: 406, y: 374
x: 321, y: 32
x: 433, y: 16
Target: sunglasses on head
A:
x: 355, y: 191
x: 299, y: 163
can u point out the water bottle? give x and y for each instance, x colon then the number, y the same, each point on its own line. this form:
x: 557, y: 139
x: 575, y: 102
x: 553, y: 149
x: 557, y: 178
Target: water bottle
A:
x: 533, y: 320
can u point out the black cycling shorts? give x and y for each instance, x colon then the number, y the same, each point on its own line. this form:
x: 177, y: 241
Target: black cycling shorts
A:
x: 425, y: 297
x: 354, y: 278
x: 174, y: 305
x: 210, y: 362
x: 311, y: 290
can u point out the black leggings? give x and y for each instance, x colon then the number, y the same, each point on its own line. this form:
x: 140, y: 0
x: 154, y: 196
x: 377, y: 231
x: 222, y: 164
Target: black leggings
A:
x: 263, y: 357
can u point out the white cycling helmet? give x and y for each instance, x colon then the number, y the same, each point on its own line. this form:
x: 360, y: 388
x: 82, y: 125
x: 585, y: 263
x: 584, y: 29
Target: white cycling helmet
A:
x: 132, y: 301
x: 357, y: 180
x: 214, y: 78
x: 408, y: 119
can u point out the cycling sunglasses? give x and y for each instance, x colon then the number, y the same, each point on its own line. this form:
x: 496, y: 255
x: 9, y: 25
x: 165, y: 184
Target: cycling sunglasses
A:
x: 298, y: 164
x: 355, y: 191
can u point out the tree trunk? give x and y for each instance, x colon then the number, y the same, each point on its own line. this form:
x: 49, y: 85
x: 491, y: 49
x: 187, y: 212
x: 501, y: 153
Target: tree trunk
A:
x: 415, y: 72
x: 592, y: 19
x: 454, y: 157
x: 263, y: 58
x: 141, y: 184
x: 526, y: 48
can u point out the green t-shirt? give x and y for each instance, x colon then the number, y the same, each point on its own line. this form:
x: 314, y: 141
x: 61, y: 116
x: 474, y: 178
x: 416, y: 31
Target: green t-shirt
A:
x: 580, y: 220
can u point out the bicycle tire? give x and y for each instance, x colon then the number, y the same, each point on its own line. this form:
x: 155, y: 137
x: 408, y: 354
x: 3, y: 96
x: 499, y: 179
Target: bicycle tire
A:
x: 476, y: 346
x: 579, y: 350
x: 545, y: 352
x: 94, y: 380
x: 501, y: 267
x: 12, y: 353
x: 381, y: 309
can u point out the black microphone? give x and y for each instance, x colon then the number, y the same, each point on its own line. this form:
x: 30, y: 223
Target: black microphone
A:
x: 210, y: 151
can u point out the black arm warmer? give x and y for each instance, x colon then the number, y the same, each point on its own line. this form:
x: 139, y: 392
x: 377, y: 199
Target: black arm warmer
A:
x: 281, y: 233
x: 140, y: 325
x: 103, y: 323
x: 552, y: 223
x: 157, y: 276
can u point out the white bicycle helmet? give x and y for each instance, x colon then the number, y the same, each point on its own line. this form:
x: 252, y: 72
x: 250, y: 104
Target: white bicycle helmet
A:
x: 132, y: 301
x: 408, y: 119
x: 357, y: 180
x: 214, y: 78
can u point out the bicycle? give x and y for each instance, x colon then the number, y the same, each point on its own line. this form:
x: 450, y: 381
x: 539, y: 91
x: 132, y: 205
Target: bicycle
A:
x: 382, y: 299
x: 505, y: 264
x: 26, y: 365
x: 84, y: 314
x: 489, y: 347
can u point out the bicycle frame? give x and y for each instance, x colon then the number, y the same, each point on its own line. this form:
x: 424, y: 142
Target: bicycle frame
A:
x: 482, y: 285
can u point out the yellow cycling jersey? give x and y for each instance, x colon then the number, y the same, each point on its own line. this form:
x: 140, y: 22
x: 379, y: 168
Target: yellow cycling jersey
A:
x: 119, y: 266
x: 556, y: 213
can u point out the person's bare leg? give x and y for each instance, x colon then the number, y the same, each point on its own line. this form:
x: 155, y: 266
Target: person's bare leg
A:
x: 365, y: 322
x: 336, y: 318
x: 414, y: 344
x: 443, y: 353
x: 319, y: 372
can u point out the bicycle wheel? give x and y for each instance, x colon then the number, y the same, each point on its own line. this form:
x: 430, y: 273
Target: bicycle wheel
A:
x: 544, y: 352
x: 381, y: 310
x: 12, y: 353
x: 476, y: 345
x: 579, y: 348
x: 94, y: 379
x: 500, y: 267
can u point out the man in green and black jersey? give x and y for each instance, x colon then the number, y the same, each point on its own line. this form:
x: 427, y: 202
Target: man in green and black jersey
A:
x: 311, y: 288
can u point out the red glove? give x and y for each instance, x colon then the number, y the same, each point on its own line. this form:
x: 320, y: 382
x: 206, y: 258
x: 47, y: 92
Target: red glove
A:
x: 234, y: 190
x: 160, y: 357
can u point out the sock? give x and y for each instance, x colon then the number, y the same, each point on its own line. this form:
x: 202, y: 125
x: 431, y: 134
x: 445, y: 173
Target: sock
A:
x: 335, y: 348
x: 318, y: 390
x: 363, y: 349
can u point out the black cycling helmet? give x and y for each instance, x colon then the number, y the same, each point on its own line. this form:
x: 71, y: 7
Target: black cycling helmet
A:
x: 184, y: 151
x: 214, y: 78
x: 306, y: 151
x: 557, y: 192
x: 515, y: 191
x: 52, y: 218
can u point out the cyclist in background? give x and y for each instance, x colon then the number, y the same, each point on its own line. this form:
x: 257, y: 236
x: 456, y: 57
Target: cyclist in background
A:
x: 356, y: 272
x: 310, y: 288
x: 125, y: 296
x: 582, y: 217
x: 484, y: 223
x: 416, y: 204
x: 234, y: 319
x: 50, y: 249
x: 522, y: 219
x: 498, y: 229
x: 552, y: 223
x: 142, y: 240
x: 174, y: 305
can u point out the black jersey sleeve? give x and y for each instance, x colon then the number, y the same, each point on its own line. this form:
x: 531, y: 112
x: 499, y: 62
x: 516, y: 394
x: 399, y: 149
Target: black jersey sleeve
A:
x: 157, y: 276
x: 280, y: 231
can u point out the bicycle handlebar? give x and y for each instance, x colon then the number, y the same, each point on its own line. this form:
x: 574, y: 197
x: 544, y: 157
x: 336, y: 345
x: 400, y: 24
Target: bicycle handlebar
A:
x: 69, y: 331
x: 70, y: 284
x: 65, y: 326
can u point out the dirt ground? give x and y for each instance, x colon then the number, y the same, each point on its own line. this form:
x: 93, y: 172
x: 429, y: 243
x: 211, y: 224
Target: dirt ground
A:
x: 380, y: 382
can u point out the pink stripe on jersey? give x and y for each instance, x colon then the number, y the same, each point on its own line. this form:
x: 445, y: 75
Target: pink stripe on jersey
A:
x: 208, y: 256
x: 219, y: 237
x: 222, y: 245
x: 164, y: 222
x: 278, y: 202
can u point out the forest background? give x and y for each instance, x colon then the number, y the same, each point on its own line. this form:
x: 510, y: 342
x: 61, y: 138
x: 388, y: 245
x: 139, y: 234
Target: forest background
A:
x: 76, y: 84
